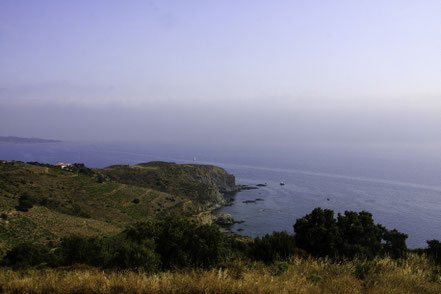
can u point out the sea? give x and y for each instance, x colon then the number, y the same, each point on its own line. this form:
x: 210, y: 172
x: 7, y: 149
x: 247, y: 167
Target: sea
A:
x: 399, y: 183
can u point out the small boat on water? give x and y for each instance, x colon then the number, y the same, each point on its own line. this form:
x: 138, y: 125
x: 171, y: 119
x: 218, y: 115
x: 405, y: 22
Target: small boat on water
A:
x: 282, y: 183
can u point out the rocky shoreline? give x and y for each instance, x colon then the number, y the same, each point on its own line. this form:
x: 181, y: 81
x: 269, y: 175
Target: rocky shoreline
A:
x: 226, y: 220
x: 226, y: 188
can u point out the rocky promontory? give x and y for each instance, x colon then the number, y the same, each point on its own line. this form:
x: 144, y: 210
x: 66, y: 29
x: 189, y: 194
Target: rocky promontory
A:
x: 93, y: 201
x: 203, y: 185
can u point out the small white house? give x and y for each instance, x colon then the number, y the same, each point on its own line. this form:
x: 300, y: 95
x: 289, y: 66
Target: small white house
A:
x: 63, y: 165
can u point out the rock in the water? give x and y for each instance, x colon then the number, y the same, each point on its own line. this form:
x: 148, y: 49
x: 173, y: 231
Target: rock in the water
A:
x: 252, y: 201
x: 245, y: 187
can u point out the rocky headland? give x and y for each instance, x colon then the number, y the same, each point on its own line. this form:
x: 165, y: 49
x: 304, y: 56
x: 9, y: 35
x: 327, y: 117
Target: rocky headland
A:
x: 86, y: 201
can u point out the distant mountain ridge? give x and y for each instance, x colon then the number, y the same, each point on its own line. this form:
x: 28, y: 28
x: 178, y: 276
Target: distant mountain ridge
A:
x: 18, y: 140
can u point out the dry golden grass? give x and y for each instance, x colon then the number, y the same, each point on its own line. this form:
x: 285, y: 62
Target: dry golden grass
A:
x: 414, y: 275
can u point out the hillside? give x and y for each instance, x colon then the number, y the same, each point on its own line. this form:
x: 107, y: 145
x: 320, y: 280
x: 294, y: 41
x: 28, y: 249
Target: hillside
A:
x: 100, y: 201
x: 203, y: 184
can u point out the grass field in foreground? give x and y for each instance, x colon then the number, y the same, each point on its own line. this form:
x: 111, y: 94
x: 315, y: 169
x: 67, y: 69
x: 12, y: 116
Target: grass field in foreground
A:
x: 382, y: 275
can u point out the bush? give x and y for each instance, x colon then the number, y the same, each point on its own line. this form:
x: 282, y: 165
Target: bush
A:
x: 27, y: 254
x: 395, y: 244
x: 359, y: 236
x: 317, y: 233
x: 134, y: 255
x: 350, y: 235
x: 83, y: 250
x: 277, y: 246
x: 181, y: 242
x: 25, y: 202
x: 434, y: 251
x: 82, y: 169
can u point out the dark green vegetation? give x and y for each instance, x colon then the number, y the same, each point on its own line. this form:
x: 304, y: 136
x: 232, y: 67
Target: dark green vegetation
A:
x: 350, y: 235
x: 434, y: 250
x: 151, y: 245
x: 178, y: 242
x: 42, y: 203
x: 25, y: 202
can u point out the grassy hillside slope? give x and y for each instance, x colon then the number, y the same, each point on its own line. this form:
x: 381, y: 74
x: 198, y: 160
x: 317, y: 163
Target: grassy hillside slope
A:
x: 100, y: 201
x: 200, y: 183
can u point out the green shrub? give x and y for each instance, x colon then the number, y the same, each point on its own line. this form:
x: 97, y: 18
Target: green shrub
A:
x: 278, y: 245
x: 395, y: 244
x: 25, y: 202
x: 134, y: 255
x: 317, y: 233
x: 82, y: 169
x: 27, y: 254
x: 83, y: 250
x: 350, y: 235
x: 434, y: 251
x: 358, y: 235
x: 181, y: 242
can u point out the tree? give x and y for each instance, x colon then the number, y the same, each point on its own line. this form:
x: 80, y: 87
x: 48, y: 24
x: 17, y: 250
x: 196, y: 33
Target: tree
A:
x: 27, y: 254
x: 359, y: 236
x: 25, y: 202
x: 317, y: 233
x: 351, y: 235
x: 434, y: 251
x: 180, y: 242
x: 82, y: 250
x: 395, y: 243
x: 136, y: 255
x: 277, y: 246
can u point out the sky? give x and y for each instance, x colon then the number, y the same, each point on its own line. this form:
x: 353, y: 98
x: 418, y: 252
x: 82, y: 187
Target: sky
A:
x: 221, y: 72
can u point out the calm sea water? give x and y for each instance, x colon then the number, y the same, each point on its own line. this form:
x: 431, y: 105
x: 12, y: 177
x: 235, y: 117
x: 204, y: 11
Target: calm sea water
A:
x: 399, y: 184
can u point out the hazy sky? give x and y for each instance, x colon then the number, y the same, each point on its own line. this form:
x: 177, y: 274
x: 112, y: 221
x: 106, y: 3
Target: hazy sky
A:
x: 221, y: 71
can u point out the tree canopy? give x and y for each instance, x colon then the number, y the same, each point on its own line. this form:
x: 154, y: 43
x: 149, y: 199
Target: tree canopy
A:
x: 349, y: 235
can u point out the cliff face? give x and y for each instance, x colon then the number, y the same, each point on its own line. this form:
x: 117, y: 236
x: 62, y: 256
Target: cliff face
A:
x: 212, y: 175
x: 203, y: 185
